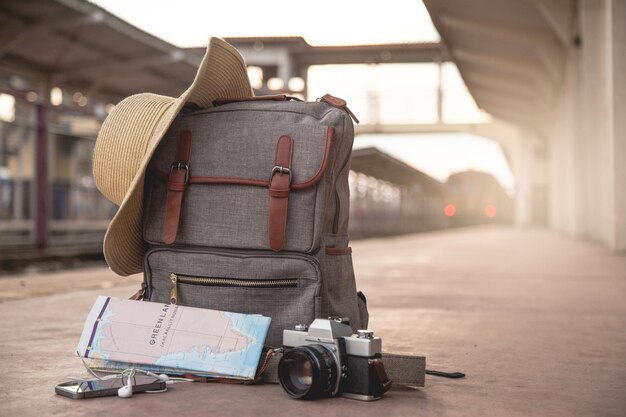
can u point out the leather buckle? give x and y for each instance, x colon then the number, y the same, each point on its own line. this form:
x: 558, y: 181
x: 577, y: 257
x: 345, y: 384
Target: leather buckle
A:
x: 281, y: 170
x: 181, y: 165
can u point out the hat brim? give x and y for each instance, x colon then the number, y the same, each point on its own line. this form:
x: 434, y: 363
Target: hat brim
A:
x: 222, y: 74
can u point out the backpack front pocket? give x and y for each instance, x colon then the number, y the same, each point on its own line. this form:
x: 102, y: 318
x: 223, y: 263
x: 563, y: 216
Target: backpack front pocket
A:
x: 234, y: 165
x: 284, y: 287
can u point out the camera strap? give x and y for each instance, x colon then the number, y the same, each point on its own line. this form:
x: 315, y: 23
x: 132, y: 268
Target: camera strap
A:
x: 399, y: 369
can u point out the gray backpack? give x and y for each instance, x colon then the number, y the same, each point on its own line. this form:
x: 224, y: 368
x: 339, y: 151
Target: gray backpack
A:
x: 246, y: 210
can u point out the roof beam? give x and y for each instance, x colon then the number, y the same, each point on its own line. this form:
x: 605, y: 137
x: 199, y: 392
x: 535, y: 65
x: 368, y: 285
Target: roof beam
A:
x: 559, y: 16
x: 522, y: 106
x: 515, y: 113
x: 543, y: 44
x: 305, y: 55
x: 506, y: 85
x: 28, y: 29
x: 374, y: 54
x: 94, y: 15
x: 131, y: 31
x: 514, y: 67
x: 497, y: 98
x: 183, y: 83
x: 117, y: 66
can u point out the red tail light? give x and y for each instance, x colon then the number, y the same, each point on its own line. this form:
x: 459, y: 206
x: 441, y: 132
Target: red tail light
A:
x: 449, y: 210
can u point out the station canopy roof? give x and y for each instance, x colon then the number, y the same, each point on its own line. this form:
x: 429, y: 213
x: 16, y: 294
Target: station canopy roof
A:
x: 79, y: 46
x: 510, y: 53
x: 376, y: 163
x: 76, y: 44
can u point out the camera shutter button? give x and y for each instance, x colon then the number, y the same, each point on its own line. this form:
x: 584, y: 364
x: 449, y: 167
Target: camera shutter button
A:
x: 365, y: 334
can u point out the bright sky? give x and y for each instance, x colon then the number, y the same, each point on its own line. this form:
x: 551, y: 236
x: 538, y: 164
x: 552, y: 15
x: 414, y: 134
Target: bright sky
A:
x: 320, y: 22
x: 405, y: 93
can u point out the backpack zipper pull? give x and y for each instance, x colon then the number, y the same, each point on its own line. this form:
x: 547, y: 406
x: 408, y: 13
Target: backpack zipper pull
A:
x: 173, y: 289
x: 338, y: 103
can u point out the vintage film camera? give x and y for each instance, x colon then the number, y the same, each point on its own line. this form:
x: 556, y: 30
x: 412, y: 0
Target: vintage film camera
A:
x: 325, y: 360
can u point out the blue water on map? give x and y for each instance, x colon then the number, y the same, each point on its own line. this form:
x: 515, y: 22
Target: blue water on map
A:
x: 242, y: 363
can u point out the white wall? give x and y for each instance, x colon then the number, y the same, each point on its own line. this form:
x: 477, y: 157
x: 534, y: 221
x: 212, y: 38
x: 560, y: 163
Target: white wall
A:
x: 616, y: 31
x: 587, y: 147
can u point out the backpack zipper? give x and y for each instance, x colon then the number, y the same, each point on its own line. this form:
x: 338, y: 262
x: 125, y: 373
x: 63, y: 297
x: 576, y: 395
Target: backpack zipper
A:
x: 337, y: 206
x: 226, y: 282
x: 337, y: 199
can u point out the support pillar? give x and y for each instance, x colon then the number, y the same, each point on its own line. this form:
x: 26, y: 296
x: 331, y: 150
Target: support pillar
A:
x: 41, y: 181
x: 616, y: 93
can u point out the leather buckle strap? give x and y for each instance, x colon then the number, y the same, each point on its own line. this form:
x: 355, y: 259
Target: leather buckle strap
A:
x: 280, y: 186
x: 181, y: 165
x: 281, y: 170
x: 176, y: 185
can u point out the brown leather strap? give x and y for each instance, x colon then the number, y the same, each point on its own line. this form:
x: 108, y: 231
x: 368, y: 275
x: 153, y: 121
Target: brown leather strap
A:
x: 340, y: 104
x: 176, y: 185
x: 338, y: 251
x: 280, y: 182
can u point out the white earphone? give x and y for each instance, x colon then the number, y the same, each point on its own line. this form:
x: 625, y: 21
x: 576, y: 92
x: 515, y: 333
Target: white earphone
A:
x: 127, y: 390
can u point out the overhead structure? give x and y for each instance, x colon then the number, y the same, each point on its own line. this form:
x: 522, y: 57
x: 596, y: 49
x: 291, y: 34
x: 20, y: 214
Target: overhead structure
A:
x: 285, y: 57
x: 79, y: 46
x: 259, y: 49
x: 555, y: 69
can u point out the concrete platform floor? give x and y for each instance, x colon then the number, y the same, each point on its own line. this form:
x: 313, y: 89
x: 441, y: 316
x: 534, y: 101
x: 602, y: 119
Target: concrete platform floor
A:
x: 536, y: 320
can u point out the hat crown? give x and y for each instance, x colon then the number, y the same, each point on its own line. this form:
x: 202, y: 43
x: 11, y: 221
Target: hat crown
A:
x: 123, y: 142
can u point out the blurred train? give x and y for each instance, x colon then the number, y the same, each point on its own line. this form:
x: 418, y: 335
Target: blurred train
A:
x: 474, y: 197
x: 389, y: 197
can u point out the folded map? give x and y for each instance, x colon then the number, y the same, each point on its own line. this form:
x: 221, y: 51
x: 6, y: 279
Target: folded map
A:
x: 161, y: 336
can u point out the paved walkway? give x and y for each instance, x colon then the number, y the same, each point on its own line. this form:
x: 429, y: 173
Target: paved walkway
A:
x: 536, y: 320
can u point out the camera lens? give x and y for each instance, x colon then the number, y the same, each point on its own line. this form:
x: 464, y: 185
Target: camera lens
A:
x: 308, y: 372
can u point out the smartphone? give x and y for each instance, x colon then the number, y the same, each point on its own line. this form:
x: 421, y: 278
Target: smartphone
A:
x: 106, y: 387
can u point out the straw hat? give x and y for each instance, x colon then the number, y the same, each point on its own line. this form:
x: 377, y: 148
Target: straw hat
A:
x: 129, y: 136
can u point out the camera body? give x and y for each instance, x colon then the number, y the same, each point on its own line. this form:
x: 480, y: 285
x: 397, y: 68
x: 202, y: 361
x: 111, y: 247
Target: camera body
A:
x: 326, y: 359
